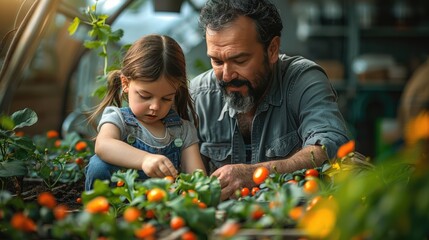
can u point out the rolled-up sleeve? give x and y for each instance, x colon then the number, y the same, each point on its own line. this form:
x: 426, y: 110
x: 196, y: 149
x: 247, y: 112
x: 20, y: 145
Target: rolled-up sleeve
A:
x: 316, y: 104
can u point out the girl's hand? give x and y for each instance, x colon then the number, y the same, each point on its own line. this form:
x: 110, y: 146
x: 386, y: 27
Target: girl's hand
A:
x: 155, y: 165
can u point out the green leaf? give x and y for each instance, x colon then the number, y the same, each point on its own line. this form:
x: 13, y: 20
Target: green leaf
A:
x: 116, y: 35
x: 73, y: 26
x: 14, y: 168
x: 92, y: 44
x: 24, y: 118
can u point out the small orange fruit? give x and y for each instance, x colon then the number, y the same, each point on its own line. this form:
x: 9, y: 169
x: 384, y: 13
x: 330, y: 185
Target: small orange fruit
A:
x: 60, y: 212
x: 47, y: 199
x: 98, y: 205
x: 177, y: 222
x: 156, y: 195
x: 131, y: 214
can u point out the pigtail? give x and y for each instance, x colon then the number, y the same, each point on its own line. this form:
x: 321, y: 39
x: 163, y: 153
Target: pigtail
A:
x: 185, y: 106
x: 113, y: 96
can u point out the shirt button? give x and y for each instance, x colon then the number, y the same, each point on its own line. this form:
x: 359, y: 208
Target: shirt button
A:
x: 178, y: 142
x: 131, y: 139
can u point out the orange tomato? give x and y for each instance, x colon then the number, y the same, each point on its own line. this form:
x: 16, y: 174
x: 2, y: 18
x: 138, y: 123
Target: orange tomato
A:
x: 47, y: 199
x: 79, y: 200
x: 131, y: 214
x: 310, y: 186
x: 177, y: 222
x: 99, y: 204
x: 120, y: 183
x: 202, y: 205
x: 254, y: 190
x: 60, y: 212
x: 21, y: 222
x: 57, y: 143
x: 260, y: 174
x: 189, y: 235
x: 19, y: 134
x: 147, y: 230
x: 156, y: 195
x: 229, y: 229
x: 52, y: 134
x: 80, y: 146
x: 346, y: 148
x: 169, y: 178
x: 257, y: 213
x: 296, y: 213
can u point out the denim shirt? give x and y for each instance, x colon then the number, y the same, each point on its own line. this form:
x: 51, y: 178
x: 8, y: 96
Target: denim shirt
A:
x: 300, y: 109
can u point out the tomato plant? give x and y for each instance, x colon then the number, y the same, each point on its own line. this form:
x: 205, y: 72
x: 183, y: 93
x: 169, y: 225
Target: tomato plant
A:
x: 260, y: 174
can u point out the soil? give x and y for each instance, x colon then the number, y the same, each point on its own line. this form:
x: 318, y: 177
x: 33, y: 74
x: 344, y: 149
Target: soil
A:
x: 66, y: 194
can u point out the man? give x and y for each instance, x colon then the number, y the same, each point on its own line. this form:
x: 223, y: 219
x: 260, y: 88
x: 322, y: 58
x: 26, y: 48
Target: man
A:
x: 256, y: 107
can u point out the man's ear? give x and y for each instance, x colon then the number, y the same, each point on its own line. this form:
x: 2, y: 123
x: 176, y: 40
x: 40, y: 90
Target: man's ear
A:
x: 125, y: 83
x: 273, y: 49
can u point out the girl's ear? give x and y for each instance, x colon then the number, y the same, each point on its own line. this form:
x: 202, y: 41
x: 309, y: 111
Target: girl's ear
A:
x: 125, y: 83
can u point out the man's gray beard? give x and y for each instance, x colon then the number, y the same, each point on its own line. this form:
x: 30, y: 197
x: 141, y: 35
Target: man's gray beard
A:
x: 238, y: 102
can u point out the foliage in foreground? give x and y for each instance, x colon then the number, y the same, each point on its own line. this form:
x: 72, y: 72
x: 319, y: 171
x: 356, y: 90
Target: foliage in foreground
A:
x: 46, y: 157
x: 345, y: 198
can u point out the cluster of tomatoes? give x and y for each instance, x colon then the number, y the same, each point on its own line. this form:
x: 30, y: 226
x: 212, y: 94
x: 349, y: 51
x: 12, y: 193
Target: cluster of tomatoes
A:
x: 310, y: 183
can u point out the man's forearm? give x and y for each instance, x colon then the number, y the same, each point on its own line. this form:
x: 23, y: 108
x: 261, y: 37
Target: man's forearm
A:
x: 308, y: 157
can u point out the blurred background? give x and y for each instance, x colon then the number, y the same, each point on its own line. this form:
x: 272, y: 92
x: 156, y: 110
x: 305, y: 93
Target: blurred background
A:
x: 375, y: 53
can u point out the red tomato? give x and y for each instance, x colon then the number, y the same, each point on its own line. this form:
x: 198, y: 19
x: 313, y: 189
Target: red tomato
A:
x: 311, y: 173
x: 260, y: 174
x: 245, y: 191
x: 254, y: 190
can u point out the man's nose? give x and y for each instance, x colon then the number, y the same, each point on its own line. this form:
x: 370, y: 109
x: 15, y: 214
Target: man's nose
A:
x: 228, y: 73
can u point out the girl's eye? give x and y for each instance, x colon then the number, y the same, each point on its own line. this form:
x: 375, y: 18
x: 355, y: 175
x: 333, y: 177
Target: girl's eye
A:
x: 145, y: 97
x: 167, y: 99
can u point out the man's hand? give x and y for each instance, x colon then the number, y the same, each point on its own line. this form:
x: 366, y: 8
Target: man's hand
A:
x: 234, y: 177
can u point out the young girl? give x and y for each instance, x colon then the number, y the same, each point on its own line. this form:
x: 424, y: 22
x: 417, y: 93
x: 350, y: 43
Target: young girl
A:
x: 154, y: 133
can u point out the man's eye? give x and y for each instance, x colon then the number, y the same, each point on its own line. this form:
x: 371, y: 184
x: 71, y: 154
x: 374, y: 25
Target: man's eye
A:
x: 217, y: 62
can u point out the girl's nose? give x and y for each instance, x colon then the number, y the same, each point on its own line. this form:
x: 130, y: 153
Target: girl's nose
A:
x: 154, y: 105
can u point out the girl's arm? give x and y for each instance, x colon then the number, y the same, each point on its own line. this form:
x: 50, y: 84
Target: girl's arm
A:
x: 191, y: 159
x: 111, y: 149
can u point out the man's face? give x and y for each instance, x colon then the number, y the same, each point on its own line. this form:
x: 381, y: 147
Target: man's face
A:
x: 241, y: 65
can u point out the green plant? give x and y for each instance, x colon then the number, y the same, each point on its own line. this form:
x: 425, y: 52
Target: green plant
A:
x: 15, y: 150
x: 102, y: 36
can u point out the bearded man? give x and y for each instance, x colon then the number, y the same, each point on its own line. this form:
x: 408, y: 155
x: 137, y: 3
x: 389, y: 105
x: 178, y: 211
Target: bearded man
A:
x: 256, y: 106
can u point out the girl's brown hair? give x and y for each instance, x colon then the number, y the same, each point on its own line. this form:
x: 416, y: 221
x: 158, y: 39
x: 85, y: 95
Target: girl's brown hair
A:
x: 149, y: 58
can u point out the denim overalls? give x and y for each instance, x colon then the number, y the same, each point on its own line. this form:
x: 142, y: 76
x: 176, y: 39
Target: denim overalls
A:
x: 98, y: 169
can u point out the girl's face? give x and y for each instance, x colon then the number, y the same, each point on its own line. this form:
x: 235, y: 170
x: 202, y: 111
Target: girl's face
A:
x: 149, y: 101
